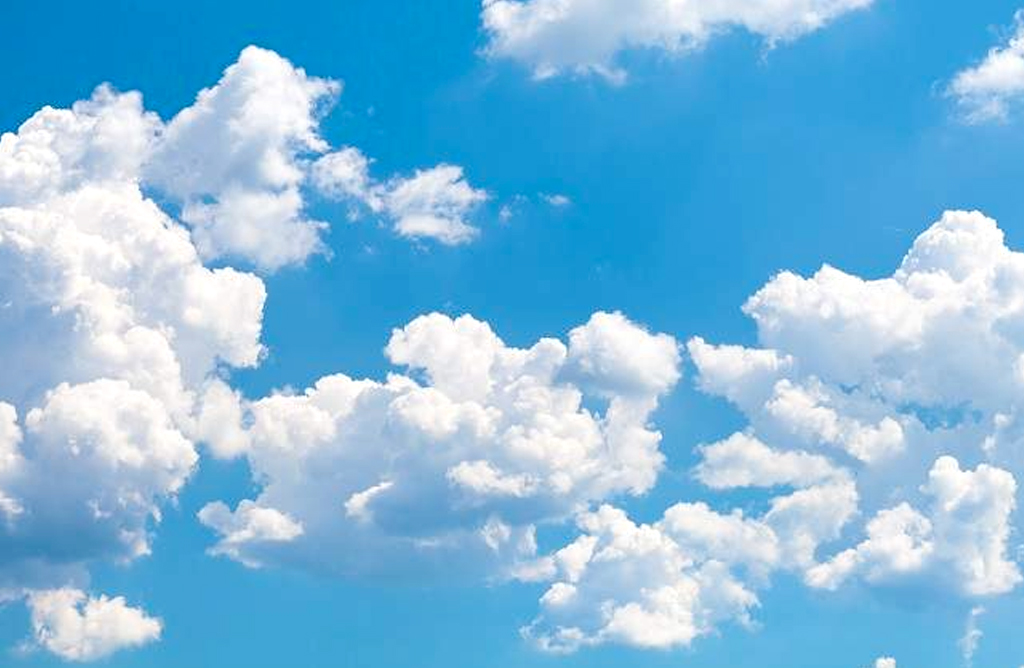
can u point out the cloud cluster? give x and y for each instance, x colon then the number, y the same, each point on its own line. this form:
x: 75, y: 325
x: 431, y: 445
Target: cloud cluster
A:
x: 109, y: 327
x: 76, y: 627
x: 448, y: 467
x: 663, y: 585
x: 115, y: 335
x: 988, y: 90
x: 882, y: 412
x: 585, y: 36
x: 894, y: 380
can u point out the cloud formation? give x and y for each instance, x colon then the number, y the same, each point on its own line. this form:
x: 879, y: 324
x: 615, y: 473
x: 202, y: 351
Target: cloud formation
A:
x: 77, y: 627
x: 116, y: 337
x: 883, y: 412
x: 431, y: 204
x: 584, y: 36
x: 988, y: 90
x: 449, y: 466
x: 894, y: 379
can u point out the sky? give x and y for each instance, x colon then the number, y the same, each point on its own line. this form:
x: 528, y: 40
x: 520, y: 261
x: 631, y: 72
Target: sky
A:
x: 556, y: 333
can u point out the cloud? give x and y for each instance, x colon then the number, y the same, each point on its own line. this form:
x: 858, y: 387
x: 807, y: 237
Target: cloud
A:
x: 234, y: 160
x: 448, y: 467
x: 635, y: 584
x: 861, y: 380
x: 743, y: 461
x: 431, y: 204
x: 666, y: 584
x: 556, y: 200
x: 585, y: 36
x: 987, y: 91
x: 963, y: 540
x: 972, y: 635
x: 110, y: 326
x: 885, y: 662
x: 77, y: 627
x: 117, y: 340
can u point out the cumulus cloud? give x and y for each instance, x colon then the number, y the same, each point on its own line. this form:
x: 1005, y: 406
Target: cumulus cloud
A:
x: 110, y: 325
x: 585, y: 36
x: 635, y: 584
x: 450, y: 465
x: 117, y: 340
x: 988, y: 90
x: 233, y: 160
x: 77, y: 627
x: 885, y: 662
x: 666, y: 584
x: 433, y: 203
x: 882, y: 382
x: 858, y: 398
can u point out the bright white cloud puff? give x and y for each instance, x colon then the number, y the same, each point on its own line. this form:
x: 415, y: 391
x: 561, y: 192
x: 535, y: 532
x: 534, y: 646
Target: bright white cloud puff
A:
x: 585, y: 36
x: 77, y: 627
x: 988, y: 90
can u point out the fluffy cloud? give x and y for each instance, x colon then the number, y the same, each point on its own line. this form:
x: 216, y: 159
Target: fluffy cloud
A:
x: 585, y: 36
x: 451, y: 465
x: 882, y: 382
x: 77, y: 627
x: 987, y: 91
x: 431, y: 204
x: 859, y: 388
x: 885, y: 662
x: 635, y: 584
x: 110, y: 323
x: 233, y: 160
x: 116, y: 338
x: 666, y: 584
x: 963, y: 540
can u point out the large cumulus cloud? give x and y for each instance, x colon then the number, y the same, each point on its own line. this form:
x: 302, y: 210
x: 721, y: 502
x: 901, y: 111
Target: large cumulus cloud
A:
x: 450, y: 465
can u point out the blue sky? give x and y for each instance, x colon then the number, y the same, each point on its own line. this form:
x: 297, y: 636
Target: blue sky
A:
x: 690, y: 184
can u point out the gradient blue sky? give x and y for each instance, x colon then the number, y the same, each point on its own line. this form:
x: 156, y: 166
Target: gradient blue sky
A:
x: 690, y: 185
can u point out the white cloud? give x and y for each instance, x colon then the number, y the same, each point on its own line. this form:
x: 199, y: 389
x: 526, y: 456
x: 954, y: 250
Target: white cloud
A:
x: 666, y: 584
x: 450, y: 466
x: 744, y: 461
x: 885, y: 662
x: 635, y: 584
x: 431, y: 204
x: 972, y: 635
x: 988, y: 90
x: 233, y: 159
x: 345, y: 173
x: 77, y: 627
x: 556, y: 200
x: 111, y: 324
x: 877, y: 383
x: 248, y: 524
x: 116, y: 340
x: 585, y: 36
